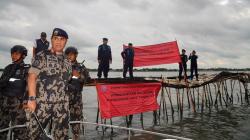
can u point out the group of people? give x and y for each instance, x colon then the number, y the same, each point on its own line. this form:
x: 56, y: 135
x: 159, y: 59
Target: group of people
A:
x: 48, y: 89
x: 105, y: 59
x: 193, y: 65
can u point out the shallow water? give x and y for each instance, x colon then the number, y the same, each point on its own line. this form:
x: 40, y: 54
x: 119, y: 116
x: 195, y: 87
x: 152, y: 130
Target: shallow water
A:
x: 232, y: 123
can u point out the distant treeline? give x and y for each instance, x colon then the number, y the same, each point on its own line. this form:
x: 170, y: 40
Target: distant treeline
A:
x: 164, y: 69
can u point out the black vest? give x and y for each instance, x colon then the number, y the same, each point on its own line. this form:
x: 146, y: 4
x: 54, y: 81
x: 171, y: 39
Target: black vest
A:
x: 16, y: 86
x: 76, y: 84
x: 40, y: 45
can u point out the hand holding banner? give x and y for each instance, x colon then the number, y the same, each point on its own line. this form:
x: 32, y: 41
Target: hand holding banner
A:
x: 164, y: 53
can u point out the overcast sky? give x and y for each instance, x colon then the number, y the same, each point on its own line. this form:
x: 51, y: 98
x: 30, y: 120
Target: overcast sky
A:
x: 219, y: 30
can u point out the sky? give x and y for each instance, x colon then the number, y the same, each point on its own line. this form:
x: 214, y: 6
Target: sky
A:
x: 218, y: 30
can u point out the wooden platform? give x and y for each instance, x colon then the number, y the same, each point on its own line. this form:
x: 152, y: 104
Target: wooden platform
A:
x: 174, y: 81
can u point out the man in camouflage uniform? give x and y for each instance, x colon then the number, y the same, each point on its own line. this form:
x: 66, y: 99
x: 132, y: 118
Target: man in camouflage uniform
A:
x: 47, y: 83
x: 13, y: 90
x: 79, y: 76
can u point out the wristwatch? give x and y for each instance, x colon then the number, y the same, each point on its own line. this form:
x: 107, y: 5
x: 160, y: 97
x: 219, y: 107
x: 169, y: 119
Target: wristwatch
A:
x: 31, y: 98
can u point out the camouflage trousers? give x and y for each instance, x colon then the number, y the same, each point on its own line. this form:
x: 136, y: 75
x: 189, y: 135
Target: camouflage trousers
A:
x: 11, y: 111
x: 58, y: 112
x: 76, y: 114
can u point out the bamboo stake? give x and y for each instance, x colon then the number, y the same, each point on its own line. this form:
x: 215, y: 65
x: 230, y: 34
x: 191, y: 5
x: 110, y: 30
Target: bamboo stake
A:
x: 211, y: 97
x: 169, y: 97
x: 240, y: 93
x: 192, y: 99
x: 187, y: 98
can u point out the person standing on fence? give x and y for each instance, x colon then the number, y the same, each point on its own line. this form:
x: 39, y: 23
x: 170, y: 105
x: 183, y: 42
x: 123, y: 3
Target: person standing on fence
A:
x: 48, y: 80
x: 80, y: 75
x: 193, y: 66
x: 104, y: 58
x: 40, y: 44
x: 128, y: 60
x: 13, y: 93
x: 183, y: 64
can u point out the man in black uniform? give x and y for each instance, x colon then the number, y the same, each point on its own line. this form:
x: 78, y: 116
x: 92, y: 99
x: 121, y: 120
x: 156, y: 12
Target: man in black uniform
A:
x: 183, y: 64
x: 128, y: 60
x: 13, y: 90
x: 104, y: 58
x: 80, y: 75
x: 193, y: 58
x: 40, y: 44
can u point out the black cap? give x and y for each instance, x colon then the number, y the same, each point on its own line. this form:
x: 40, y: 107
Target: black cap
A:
x: 71, y: 50
x: 59, y: 32
x: 105, y: 39
x: 43, y: 34
x: 130, y: 44
x: 183, y: 50
x: 19, y: 48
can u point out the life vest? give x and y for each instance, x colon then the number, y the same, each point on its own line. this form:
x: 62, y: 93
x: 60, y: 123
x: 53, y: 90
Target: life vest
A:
x: 17, y: 83
x: 41, y: 45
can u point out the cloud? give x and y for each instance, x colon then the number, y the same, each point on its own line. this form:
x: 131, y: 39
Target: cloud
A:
x: 217, y: 30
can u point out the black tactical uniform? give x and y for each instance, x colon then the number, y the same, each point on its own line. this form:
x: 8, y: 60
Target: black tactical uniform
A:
x: 128, y: 57
x: 183, y: 65
x: 13, y: 93
x: 104, y: 56
x: 193, y: 66
x: 41, y: 44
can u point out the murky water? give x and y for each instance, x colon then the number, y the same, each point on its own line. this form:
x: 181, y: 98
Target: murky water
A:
x: 232, y: 123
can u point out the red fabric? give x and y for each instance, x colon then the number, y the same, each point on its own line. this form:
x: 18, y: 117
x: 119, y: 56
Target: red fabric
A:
x: 125, y: 99
x: 164, y: 53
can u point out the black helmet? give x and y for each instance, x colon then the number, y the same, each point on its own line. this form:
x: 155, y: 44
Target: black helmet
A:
x: 19, y: 48
x: 71, y: 50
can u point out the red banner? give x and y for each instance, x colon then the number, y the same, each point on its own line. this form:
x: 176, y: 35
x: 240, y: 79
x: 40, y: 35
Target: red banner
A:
x: 126, y: 99
x: 164, y: 53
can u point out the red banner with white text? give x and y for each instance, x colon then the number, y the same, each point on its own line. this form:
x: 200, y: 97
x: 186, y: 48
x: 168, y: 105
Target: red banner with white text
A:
x: 164, y: 53
x: 126, y: 99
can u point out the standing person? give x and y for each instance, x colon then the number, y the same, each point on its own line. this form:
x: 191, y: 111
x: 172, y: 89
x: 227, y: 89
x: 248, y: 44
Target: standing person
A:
x: 194, y: 67
x: 79, y: 76
x: 128, y: 60
x: 40, y: 44
x: 13, y: 92
x: 104, y: 58
x: 47, y: 83
x: 183, y: 64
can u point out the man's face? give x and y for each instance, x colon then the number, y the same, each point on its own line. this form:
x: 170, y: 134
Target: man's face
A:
x: 72, y: 57
x: 58, y: 43
x: 16, y: 57
x: 105, y: 41
x: 43, y: 37
x: 183, y: 52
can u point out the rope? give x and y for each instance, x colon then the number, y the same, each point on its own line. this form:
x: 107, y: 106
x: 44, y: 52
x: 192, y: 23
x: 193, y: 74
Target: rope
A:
x: 12, y: 127
x: 110, y: 126
x: 132, y: 129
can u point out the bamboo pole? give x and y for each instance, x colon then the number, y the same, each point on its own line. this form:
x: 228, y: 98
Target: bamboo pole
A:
x: 170, y: 100
x: 211, y: 97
